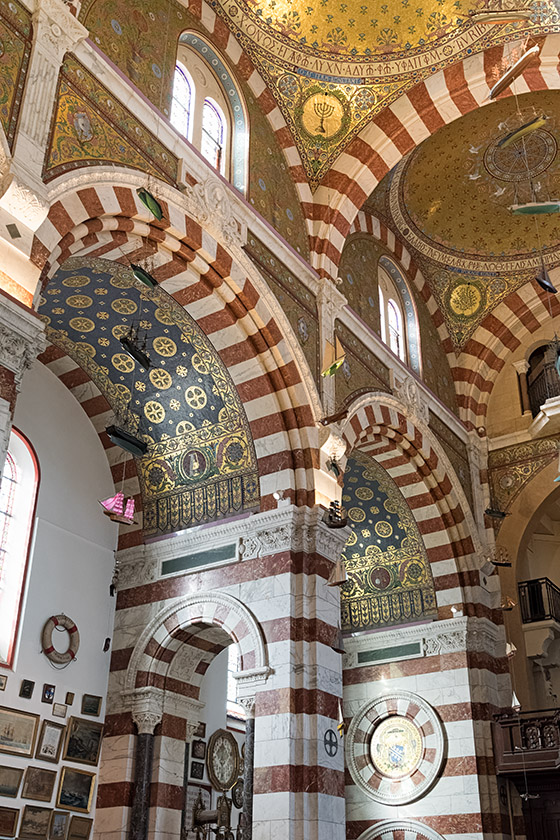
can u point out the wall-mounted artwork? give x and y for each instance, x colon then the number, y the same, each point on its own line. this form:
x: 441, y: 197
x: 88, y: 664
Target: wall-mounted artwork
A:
x: 83, y: 741
x: 39, y: 784
x: 3, y: 682
x: 50, y: 741
x: 59, y: 825
x: 197, y: 770
x: 35, y: 823
x: 75, y: 791
x: 48, y: 693
x: 10, y: 780
x: 8, y: 821
x: 59, y: 710
x: 18, y: 731
x: 26, y: 689
x: 80, y: 828
x: 91, y: 705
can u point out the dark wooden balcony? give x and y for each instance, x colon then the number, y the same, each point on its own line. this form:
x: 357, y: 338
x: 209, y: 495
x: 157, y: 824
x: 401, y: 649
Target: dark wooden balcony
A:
x: 539, y: 600
x: 527, y: 742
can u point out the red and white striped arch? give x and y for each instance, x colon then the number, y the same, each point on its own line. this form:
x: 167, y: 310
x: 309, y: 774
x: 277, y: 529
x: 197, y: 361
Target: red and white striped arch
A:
x: 378, y: 425
x: 231, y: 307
x: 440, y: 99
x: 205, y: 624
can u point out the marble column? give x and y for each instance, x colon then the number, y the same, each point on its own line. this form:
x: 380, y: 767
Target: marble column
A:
x: 146, y: 722
x: 248, y: 704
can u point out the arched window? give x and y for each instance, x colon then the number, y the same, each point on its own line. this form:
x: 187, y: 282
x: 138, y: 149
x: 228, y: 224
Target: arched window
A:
x: 213, y: 134
x: 399, y: 322
x: 218, y: 125
x: 18, y: 492
x: 181, y: 103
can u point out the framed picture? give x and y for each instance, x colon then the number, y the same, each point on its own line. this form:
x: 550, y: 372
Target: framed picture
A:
x: 197, y: 770
x: 198, y: 750
x: 8, y: 821
x: 91, y: 705
x: 50, y: 741
x: 80, y: 828
x: 18, y: 731
x: 26, y: 689
x: 10, y: 780
x: 3, y: 681
x: 200, y: 731
x: 75, y: 791
x: 35, y: 823
x: 38, y: 784
x: 59, y: 825
x: 59, y: 710
x: 83, y: 741
x: 69, y: 698
x: 48, y: 693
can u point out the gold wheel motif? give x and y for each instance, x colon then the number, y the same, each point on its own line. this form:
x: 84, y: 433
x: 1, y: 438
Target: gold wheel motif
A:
x: 119, y: 330
x: 79, y: 301
x: 195, y: 397
x: 164, y: 316
x: 165, y: 346
x: 383, y: 529
x: 76, y: 282
x: 154, y: 411
x: 124, y: 306
x: 82, y: 325
x: 200, y: 365
x: 183, y: 427
x: 161, y: 379
x: 123, y: 362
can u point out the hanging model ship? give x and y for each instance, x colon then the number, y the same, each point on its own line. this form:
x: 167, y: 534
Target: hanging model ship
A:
x: 119, y: 508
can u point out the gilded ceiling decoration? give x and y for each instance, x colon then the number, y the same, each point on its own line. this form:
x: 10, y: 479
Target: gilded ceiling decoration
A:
x: 200, y: 464
x: 511, y: 468
x: 15, y: 41
x: 389, y: 576
x: 332, y: 67
x: 449, y: 200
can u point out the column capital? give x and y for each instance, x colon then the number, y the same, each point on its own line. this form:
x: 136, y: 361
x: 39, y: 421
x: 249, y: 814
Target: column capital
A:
x: 330, y: 298
x: 56, y: 29
x: 521, y: 367
x: 22, y: 338
x: 146, y: 705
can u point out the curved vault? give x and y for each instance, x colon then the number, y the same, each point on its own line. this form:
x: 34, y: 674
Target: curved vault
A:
x: 200, y: 465
x: 389, y: 576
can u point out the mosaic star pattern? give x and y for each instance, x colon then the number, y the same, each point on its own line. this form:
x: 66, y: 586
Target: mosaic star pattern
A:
x: 200, y: 464
x: 389, y: 578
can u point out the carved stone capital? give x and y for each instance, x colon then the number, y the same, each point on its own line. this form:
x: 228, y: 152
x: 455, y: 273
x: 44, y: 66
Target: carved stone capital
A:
x: 22, y: 201
x: 210, y: 204
x: 329, y: 300
x: 407, y: 390
x: 146, y: 705
x: 56, y: 29
x: 22, y: 338
x: 248, y: 704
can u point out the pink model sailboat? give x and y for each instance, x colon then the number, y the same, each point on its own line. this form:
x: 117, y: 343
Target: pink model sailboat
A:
x: 118, y: 509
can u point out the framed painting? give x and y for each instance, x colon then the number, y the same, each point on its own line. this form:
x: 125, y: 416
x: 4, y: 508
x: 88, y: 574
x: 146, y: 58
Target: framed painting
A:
x: 75, y: 790
x: 3, y: 682
x: 197, y: 770
x: 198, y: 750
x: 26, y: 689
x: 58, y: 827
x: 35, y: 823
x: 48, y: 693
x: 38, y: 784
x: 91, y: 705
x: 10, y: 780
x: 50, y: 741
x: 59, y: 710
x: 18, y: 731
x: 83, y: 741
x: 8, y: 821
x: 80, y: 828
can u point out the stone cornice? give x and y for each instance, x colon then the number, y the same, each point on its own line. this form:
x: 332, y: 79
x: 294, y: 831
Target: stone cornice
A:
x: 22, y: 337
x: 287, y: 528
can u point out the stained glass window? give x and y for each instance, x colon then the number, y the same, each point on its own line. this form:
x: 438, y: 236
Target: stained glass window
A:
x: 18, y: 491
x: 213, y: 134
x: 182, y: 101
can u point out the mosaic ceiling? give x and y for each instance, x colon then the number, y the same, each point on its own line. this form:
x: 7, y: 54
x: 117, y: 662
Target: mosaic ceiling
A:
x: 389, y: 576
x: 334, y: 65
x: 450, y: 198
x: 200, y: 464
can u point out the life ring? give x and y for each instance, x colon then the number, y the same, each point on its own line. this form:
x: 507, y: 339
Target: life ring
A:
x: 49, y: 649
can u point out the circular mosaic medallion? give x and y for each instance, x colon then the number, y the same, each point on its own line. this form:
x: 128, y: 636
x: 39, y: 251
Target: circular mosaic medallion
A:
x: 389, y: 829
x: 528, y: 158
x: 394, y: 748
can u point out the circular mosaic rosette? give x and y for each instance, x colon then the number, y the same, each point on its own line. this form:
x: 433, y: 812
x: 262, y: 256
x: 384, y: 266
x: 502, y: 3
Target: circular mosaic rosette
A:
x: 393, y: 829
x: 394, y: 747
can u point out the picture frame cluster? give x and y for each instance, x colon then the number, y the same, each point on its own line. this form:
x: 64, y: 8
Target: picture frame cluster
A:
x: 78, y: 742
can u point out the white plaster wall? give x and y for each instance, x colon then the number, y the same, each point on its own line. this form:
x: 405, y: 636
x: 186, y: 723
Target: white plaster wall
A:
x: 72, y: 556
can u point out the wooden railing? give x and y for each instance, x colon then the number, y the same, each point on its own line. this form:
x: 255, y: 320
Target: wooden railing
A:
x: 527, y: 742
x: 539, y: 600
